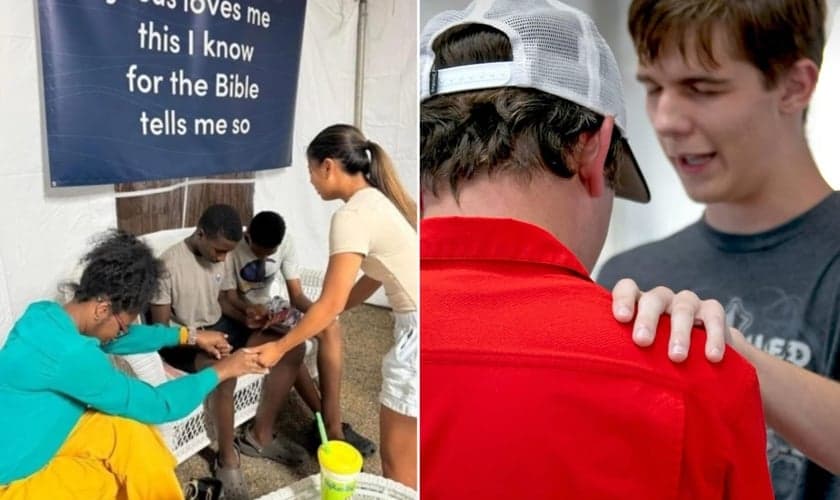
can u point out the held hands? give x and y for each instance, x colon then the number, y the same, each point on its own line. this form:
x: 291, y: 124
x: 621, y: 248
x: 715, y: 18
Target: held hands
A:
x: 268, y: 354
x: 686, y: 310
x: 213, y: 343
x: 241, y: 362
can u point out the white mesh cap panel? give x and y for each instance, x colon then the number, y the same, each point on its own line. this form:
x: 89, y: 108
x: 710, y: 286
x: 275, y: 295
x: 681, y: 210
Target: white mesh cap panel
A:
x: 558, y: 63
x: 556, y: 49
x: 612, y: 93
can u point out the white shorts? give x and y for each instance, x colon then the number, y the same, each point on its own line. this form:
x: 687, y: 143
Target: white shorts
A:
x: 400, y: 380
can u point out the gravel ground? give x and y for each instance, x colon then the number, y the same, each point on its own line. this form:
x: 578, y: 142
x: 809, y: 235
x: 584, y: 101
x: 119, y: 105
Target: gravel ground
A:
x: 367, y: 337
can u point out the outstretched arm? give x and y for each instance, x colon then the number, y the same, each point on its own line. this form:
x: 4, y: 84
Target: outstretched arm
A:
x: 144, y: 338
x: 338, y: 282
x: 89, y: 377
x: 800, y: 405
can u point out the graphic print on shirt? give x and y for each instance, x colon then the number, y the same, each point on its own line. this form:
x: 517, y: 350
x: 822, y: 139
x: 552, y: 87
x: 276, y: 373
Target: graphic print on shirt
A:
x: 780, y: 316
x: 763, y: 328
x: 257, y: 275
x: 786, y: 465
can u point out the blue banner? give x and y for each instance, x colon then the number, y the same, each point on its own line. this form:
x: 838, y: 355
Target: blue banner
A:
x: 140, y: 90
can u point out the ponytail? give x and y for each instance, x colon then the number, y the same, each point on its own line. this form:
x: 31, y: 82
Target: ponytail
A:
x: 384, y: 177
x: 359, y: 155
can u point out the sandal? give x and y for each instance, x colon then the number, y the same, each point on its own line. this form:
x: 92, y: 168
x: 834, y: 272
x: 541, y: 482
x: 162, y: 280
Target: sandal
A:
x: 203, y: 488
x: 233, y: 482
x: 280, y: 449
x: 361, y: 443
x: 365, y: 446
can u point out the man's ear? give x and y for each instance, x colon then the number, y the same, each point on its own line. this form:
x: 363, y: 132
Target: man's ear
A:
x: 592, y: 154
x: 797, y: 85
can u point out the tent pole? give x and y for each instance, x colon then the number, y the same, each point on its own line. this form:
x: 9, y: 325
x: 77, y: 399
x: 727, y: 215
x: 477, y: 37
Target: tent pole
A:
x: 361, y: 32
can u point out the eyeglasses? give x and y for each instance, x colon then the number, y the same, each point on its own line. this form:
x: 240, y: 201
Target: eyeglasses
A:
x: 254, y: 271
x: 123, y: 328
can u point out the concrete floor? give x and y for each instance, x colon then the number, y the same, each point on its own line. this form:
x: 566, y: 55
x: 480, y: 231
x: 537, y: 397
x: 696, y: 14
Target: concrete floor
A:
x: 367, y: 337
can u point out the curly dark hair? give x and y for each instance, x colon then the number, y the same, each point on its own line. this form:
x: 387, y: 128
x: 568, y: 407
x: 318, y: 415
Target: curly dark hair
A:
x: 122, y: 269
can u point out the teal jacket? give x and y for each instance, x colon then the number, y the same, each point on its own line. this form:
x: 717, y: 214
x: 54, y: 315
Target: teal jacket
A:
x: 50, y: 374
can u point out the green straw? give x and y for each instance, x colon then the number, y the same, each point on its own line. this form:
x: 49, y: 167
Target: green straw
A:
x: 322, y: 431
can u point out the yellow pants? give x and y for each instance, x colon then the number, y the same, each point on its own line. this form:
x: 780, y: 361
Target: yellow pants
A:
x: 104, y: 457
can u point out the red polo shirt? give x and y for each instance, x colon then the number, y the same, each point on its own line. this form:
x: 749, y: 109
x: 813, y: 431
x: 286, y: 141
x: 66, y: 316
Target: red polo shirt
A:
x: 530, y: 388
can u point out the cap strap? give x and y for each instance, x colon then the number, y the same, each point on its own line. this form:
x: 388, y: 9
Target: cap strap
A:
x: 470, y: 77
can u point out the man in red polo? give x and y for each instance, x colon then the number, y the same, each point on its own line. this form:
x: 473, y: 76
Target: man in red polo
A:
x: 529, y: 387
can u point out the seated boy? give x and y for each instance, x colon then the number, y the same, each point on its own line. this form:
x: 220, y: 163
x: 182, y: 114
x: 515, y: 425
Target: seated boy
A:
x: 265, y: 254
x: 189, y: 295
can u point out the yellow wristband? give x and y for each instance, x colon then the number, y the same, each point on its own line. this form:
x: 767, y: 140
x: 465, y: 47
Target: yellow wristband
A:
x: 183, y: 335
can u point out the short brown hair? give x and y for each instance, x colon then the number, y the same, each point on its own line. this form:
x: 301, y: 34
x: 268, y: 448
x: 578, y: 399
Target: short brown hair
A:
x: 508, y: 129
x: 770, y: 34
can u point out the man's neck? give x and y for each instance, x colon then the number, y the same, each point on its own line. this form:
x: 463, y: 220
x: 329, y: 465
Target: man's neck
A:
x: 497, y: 198
x: 547, y: 202
x: 797, y: 188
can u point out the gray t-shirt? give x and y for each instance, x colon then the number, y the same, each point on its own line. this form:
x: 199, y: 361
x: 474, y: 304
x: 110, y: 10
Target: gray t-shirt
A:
x: 780, y: 287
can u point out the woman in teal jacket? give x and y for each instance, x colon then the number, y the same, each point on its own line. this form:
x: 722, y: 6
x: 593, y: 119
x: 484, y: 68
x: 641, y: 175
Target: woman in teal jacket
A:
x: 72, y: 425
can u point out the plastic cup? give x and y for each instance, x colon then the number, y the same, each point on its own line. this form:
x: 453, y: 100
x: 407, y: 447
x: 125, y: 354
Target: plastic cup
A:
x: 340, y: 465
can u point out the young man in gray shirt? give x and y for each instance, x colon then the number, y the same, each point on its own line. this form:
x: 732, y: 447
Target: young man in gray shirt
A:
x: 727, y: 86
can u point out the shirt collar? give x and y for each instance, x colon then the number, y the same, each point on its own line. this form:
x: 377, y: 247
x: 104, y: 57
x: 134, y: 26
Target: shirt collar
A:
x: 492, y: 239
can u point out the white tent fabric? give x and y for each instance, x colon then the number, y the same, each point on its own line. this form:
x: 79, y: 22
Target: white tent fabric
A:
x: 45, y: 230
x: 5, y: 307
x: 325, y: 96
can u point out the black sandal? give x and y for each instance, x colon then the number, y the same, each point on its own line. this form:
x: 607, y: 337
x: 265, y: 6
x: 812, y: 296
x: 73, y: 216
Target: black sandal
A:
x: 280, y: 449
x: 365, y: 446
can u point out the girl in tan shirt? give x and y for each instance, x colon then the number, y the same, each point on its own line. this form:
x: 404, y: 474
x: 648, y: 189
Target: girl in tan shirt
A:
x: 375, y: 231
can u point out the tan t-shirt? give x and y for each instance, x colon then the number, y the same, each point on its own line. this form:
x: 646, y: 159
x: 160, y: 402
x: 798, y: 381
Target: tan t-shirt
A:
x: 192, y: 285
x: 371, y: 225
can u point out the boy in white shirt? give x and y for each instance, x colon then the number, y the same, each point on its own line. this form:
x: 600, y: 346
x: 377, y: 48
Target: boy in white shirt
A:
x: 266, y: 253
